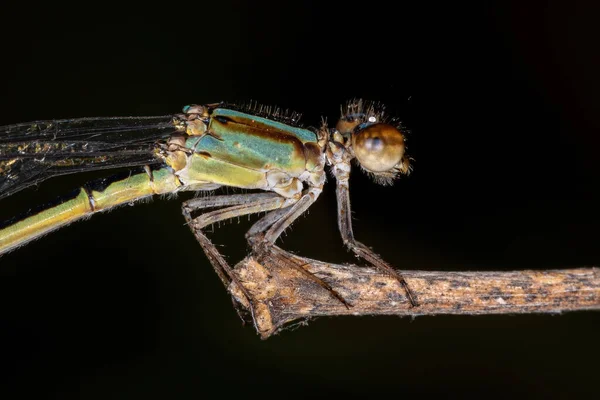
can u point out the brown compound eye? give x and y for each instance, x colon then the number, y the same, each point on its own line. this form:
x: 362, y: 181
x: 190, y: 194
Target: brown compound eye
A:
x: 378, y: 147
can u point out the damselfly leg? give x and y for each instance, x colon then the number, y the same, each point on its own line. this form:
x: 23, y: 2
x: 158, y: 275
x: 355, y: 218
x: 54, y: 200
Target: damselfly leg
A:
x: 361, y: 250
x: 286, y: 211
x: 234, y: 206
x: 265, y: 232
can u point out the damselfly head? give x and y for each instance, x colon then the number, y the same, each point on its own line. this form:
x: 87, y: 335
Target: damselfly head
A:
x: 378, y: 145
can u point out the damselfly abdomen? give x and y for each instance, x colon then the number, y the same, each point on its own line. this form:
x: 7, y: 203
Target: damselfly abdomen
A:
x: 204, y: 148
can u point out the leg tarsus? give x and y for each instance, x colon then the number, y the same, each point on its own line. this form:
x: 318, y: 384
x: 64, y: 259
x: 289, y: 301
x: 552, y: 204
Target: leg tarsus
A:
x: 367, y: 254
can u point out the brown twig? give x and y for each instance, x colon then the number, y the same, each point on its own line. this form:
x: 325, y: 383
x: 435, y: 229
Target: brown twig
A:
x: 281, y: 294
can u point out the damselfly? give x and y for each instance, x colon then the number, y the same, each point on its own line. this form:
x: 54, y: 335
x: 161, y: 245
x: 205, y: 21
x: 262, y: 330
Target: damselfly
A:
x: 201, y: 149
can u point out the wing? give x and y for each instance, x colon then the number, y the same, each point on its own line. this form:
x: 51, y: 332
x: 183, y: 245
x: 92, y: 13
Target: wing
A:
x: 33, y: 152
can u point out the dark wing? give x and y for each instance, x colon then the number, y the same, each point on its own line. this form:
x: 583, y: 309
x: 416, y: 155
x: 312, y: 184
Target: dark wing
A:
x: 35, y: 151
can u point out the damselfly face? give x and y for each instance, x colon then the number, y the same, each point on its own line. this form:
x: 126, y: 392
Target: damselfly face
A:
x: 378, y: 145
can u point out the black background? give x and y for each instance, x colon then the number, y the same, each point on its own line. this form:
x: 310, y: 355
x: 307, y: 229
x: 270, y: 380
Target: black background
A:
x: 502, y: 101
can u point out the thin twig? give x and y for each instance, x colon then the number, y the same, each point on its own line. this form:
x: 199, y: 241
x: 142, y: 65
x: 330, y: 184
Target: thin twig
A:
x: 281, y: 294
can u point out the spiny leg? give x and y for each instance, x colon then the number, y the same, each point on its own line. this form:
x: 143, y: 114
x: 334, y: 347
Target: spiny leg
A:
x: 239, y: 205
x: 362, y: 251
x: 256, y: 233
x: 243, y: 200
x: 263, y: 234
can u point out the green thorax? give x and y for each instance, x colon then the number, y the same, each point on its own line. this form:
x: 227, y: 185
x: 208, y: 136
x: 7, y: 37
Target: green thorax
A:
x: 244, y: 150
x: 254, y: 142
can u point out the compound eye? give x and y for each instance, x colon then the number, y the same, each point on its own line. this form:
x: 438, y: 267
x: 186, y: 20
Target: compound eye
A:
x: 378, y: 147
